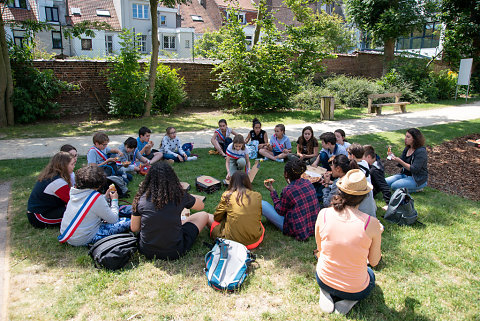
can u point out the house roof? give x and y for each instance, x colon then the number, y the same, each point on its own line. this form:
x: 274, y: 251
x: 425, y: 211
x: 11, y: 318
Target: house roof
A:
x: 19, y: 14
x: 243, y: 4
x: 194, y: 8
x: 88, y: 11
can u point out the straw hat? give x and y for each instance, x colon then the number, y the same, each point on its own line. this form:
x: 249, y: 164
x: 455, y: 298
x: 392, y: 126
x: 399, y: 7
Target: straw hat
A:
x: 354, y: 183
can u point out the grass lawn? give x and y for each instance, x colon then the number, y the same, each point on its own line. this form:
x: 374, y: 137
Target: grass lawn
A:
x: 185, y: 121
x: 428, y: 272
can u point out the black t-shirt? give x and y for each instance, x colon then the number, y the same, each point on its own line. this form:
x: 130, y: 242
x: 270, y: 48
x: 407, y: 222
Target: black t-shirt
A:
x: 408, y: 160
x: 161, y: 229
x: 304, y: 148
x: 260, y: 137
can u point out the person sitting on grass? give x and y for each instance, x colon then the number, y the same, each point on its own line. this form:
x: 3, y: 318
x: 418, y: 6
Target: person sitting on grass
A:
x: 221, y: 137
x: 307, y: 147
x: 72, y: 151
x: 257, y: 134
x: 414, y: 173
x: 340, y: 136
x: 238, y: 215
x: 145, y: 145
x: 346, y: 240
x: 294, y: 213
x: 329, y: 148
x: 172, y: 148
x: 128, y: 162
x: 279, y: 146
x: 88, y: 217
x: 340, y: 166
x: 99, y: 153
x: 51, y: 192
x: 377, y: 173
x: 237, y: 156
x: 157, y: 209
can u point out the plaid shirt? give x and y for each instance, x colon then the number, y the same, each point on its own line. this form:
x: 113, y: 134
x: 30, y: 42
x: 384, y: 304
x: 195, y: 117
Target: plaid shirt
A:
x: 299, y: 205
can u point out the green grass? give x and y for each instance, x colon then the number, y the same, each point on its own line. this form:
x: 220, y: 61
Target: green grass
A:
x: 186, y: 121
x: 428, y: 272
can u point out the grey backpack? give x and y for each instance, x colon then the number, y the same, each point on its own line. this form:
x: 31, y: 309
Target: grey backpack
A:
x: 401, y: 209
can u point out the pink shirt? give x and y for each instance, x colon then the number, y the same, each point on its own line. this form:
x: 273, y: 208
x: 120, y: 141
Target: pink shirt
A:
x: 344, y: 250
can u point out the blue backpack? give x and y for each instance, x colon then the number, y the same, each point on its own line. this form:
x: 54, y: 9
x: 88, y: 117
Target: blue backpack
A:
x: 226, y: 265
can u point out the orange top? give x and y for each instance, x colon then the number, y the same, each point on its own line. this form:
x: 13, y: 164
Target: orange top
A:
x: 342, y: 264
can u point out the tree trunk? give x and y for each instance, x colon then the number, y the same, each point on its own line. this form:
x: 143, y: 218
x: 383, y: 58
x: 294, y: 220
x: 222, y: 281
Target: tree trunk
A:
x: 388, y: 54
x: 154, y: 58
x: 6, y: 81
x: 258, y: 27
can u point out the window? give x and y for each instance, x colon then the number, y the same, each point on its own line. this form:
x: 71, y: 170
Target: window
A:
x: 140, y: 11
x: 19, y: 41
x: 109, y: 44
x: 248, y: 40
x: 76, y: 11
x: 197, y: 18
x: 424, y: 38
x: 163, y: 20
x: 86, y: 44
x: 187, y: 43
x: 240, y: 17
x: 51, y: 14
x: 168, y: 42
x: 18, y: 4
x: 57, y: 40
x: 103, y: 13
x: 143, y: 43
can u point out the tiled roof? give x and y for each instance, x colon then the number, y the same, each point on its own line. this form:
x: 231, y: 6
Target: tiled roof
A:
x: 194, y: 8
x: 88, y: 9
x: 243, y: 4
x: 19, y: 14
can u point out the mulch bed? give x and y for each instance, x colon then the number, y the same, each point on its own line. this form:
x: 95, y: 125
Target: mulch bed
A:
x: 453, y: 167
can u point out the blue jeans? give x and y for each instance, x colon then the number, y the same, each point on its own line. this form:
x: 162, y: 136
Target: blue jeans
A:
x: 175, y: 158
x: 225, y: 144
x: 324, y: 161
x: 349, y: 296
x: 401, y: 180
x: 269, y: 212
x: 107, y: 229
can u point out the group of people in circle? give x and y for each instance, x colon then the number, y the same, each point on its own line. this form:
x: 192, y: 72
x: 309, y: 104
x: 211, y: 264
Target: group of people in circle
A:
x: 339, y: 210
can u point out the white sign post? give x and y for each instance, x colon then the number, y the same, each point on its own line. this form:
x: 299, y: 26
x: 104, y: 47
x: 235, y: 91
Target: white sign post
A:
x: 464, y: 75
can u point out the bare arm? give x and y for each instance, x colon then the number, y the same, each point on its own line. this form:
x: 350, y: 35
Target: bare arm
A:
x: 198, y: 206
x: 374, y: 230
x: 135, y: 223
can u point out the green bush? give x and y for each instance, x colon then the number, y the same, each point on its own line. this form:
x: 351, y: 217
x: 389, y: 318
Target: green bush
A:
x: 309, y: 96
x: 446, y: 82
x: 126, y: 81
x: 352, y: 91
x: 169, y: 90
x: 393, y: 82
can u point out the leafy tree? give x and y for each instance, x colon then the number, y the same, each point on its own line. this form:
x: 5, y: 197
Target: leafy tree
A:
x: 462, y: 30
x: 389, y: 19
x: 207, y: 46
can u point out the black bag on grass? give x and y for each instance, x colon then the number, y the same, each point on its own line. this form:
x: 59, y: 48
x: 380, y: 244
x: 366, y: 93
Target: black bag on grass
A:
x: 113, y: 252
x: 401, y: 209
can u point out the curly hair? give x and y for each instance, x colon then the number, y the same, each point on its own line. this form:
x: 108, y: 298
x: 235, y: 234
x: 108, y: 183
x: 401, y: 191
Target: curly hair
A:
x: 91, y: 177
x: 239, y: 183
x: 342, y: 200
x: 294, y: 169
x: 57, y: 166
x: 161, y: 186
x: 418, y: 138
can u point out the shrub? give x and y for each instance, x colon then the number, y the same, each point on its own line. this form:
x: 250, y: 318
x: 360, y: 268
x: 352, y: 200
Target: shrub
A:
x: 126, y: 81
x: 352, y: 91
x: 393, y: 81
x: 169, y: 90
x: 445, y: 81
x: 309, y: 96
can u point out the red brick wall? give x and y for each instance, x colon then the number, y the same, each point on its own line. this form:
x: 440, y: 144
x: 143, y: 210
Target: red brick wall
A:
x: 93, y: 95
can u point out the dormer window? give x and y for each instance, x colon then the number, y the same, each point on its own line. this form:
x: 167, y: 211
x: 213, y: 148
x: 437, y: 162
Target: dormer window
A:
x: 197, y: 18
x: 76, y: 11
x: 103, y: 13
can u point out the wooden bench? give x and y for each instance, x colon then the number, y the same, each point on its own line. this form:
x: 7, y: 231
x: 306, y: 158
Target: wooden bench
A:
x: 399, y: 105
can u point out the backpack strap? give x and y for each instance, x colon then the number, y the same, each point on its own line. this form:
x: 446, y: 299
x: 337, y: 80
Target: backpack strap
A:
x: 366, y: 170
x: 78, y: 218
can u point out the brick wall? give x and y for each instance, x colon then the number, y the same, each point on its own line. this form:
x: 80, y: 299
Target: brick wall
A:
x: 93, y: 95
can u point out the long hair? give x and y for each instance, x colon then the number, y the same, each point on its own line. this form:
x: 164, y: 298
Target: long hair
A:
x: 344, y: 163
x: 58, y: 165
x: 311, y: 143
x: 342, y: 199
x: 239, y: 183
x: 238, y: 139
x: 161, y: 186
x: 418, y: 138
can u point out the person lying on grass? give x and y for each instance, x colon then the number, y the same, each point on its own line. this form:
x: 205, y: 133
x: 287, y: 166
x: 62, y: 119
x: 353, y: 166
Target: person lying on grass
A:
x: 346, y: 240
x: 88, y: 217
x: 157, y: 209
x: 294, y: 213
x: 239, y: 213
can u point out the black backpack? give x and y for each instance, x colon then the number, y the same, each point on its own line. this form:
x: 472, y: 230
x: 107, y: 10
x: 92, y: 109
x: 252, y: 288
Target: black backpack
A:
x: 113, y: 252
x: 401, y: 209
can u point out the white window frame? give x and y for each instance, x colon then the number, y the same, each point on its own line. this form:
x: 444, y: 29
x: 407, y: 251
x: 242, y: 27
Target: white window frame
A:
x: 239, y: 15
x: 142, y: 46
x: 52, y: 10
x: 163, y: 20
x: 169, y: 43
x: 91, y: 44
x: 140, y: 11
x: 109, y: 44
x: 187, y: 43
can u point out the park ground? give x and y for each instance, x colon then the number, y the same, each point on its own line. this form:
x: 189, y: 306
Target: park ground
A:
x: 429, y: 271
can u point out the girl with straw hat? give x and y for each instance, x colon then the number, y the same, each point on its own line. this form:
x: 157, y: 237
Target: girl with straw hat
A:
x: 346, y: 240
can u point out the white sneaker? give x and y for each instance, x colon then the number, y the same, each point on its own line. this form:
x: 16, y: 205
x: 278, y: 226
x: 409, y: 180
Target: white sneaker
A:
x: 344, y: 306
x: 326, y: 302
x: 280, y: 160
x: 191, y: 158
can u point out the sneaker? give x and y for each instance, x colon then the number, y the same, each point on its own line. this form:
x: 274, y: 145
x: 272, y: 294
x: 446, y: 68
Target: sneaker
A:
x: 326, y: 302
x: 170, y: 161
x: 344, y: 306
x: 280, y: 160
x: 191, y: 158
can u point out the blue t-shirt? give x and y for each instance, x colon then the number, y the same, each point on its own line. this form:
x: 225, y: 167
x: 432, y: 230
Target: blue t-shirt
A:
x: 339, y: 149
x: 279, y: 145
x: 141, y: 145
x: 97, y: 156
x: 131, y: 157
